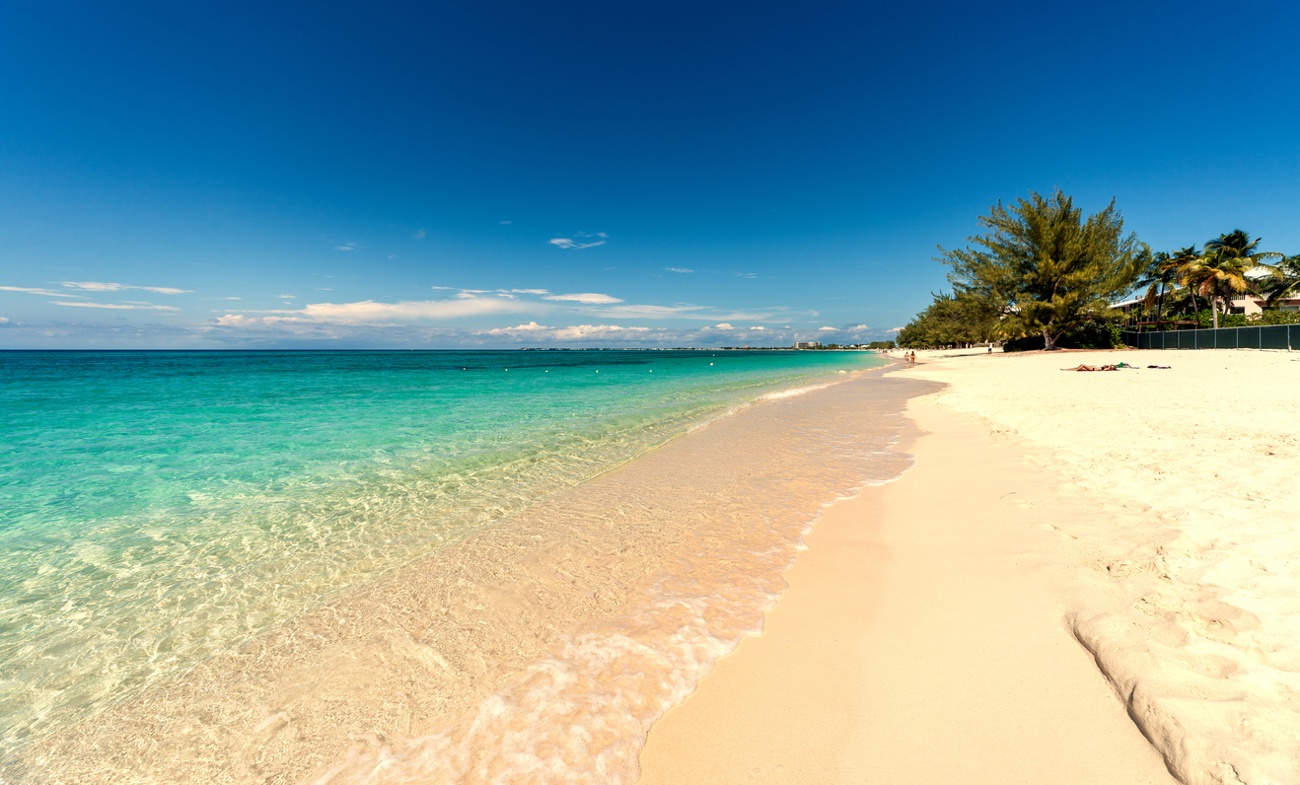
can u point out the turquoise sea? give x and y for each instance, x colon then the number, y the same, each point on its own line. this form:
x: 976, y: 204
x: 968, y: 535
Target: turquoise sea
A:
x: 159, y: 508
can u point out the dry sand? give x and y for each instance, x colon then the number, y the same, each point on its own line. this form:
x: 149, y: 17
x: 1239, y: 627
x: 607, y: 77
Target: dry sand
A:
x: 950, y: 627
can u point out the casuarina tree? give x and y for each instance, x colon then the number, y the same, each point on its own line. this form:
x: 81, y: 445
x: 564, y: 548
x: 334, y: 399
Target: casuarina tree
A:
x: 1046, y: 268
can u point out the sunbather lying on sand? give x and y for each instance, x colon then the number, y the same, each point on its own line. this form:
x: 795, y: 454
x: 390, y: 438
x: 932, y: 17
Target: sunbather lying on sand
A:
x: 1082, y: 367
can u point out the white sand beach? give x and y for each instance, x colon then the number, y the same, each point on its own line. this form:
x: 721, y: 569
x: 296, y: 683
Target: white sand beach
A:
x: 1084, y: 578
x: 1077, y: 560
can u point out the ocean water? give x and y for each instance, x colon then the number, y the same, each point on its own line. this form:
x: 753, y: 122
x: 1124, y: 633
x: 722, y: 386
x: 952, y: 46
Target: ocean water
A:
x: 160, y: 510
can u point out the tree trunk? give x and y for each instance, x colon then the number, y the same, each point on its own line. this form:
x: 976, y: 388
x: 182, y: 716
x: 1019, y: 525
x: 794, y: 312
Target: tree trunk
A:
x: 1048, y: 343
x: 1214, y: 311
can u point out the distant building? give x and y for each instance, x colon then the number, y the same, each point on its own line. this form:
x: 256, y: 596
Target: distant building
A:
x: 807, y: 344
x: 1248, y: 304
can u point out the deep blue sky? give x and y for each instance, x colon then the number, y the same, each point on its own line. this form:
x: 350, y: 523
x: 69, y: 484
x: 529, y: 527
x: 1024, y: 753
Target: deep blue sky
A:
x: 607, y: 173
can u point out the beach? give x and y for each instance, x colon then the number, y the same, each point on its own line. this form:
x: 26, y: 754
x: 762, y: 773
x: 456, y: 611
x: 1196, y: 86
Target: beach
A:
x: 1086, y: 577
x: 625, y: 527
x: 977, y: 569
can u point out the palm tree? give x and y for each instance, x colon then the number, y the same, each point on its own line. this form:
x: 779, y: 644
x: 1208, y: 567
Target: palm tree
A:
x: 1223, y: 271
x: 1285, y: 281
x: 1160, y: 275
x: 1183, y: 265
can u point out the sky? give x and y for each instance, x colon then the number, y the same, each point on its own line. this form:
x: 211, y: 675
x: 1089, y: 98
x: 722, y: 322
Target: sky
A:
x: 506, y: 174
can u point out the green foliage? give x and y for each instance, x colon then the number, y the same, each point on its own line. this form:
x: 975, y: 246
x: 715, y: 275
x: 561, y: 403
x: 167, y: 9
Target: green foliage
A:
x: 881, y: 345
x: 1273, y: 316
x: 1181, y: 284
x: 1045, y: 269
x: 1220, y: 274
x: 951, y: 321
x: 1205, y: 319
x: 1160, y: 278
x: 1096, y: 334
x: 1285, y: 281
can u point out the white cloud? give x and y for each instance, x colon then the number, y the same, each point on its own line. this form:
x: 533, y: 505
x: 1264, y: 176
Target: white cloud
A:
x: 679, y: 270
x: 238, y: 320
x: 599, y: 238
x: 419, y: 234
x: 847, y: 331
x: 894, y: 330
x: 580, y: 332
x: 346, y: 247
x: 531, y: 327
x: 287, y: 296
x: 505, y: 223
x: 4, y: 320
x: 588, y: 298
x: 230, y: 298
x: 93, y: 286
x: 569, y: 244
x: 105, y: 286
x: 458, y: 303
x: 371, y: 312
x: 747, y: 275
x: 42, y: 292
x: 683, y: 311
x: 119, y: 307
x: 758, y: 328
x: 657, y: 311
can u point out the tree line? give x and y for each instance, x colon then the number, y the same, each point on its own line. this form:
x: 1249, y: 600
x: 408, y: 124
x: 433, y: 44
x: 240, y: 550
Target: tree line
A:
x: 1043, y: 276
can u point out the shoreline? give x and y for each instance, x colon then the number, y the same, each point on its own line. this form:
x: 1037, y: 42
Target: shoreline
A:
x: 1151, y: 509
x: 912, y: 647
x: 538, y: 651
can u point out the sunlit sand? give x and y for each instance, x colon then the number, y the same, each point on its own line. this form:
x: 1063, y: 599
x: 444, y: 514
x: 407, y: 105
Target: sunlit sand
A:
x: 1084, y: 578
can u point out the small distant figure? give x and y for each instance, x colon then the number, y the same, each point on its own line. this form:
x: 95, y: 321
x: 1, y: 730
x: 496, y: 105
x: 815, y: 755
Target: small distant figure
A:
x: 990, y: 347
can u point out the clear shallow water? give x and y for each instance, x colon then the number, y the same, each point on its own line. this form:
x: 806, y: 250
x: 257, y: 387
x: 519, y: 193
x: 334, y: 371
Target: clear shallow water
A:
x: 157, y: 509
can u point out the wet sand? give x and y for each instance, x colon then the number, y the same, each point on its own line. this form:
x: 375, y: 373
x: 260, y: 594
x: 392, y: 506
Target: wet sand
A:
x: 1084, y: 576
x: 539, y: 650
x: 922, y: 640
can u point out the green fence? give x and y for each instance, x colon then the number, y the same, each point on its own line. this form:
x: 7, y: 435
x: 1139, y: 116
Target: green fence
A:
x: 1272, y: 336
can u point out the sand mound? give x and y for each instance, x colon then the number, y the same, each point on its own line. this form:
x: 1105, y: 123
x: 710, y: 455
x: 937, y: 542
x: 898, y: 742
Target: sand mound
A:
x: 1190, y: 600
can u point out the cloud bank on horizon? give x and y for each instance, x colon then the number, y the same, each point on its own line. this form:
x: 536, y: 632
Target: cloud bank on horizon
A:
x: 455, y: 317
